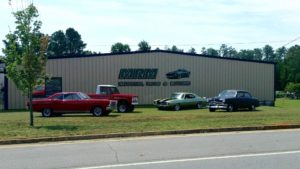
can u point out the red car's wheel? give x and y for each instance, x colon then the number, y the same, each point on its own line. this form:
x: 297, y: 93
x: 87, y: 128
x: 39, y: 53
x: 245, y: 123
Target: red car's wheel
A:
x: 46, y: 112
x: 97, y: 111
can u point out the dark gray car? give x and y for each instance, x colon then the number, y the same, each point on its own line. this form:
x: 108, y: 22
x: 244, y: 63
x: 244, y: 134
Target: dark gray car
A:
x: 231, y: 100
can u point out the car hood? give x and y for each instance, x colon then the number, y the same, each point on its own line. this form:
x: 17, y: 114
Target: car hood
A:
x: 216, y: 99
x: 164, y: 100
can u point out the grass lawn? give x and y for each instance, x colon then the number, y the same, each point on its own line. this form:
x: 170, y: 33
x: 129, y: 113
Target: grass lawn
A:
x: 15, y: 125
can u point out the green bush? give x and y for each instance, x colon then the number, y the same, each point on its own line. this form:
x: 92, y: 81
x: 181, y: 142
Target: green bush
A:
x: 292, y: 87
x: 280, y: 94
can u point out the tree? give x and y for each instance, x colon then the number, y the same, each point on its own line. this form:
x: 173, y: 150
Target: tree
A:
x: 268, y: 53
x: 174, y: 48
x: 246, y: 54
x: 120, y: 48
x: 258, y: 54
x: 226, y: 51
x: 74, y: 43
x: 212, y: 52
x: 192, y: 51
x: 280, y: 54
x: 24, y: 51
x: 292, y: 62
x: 57, y: 44
x: 144, y: 46
x: 62, y: 44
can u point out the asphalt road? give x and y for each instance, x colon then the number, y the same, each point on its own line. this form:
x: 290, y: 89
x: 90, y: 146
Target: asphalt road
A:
x: 248, y: 150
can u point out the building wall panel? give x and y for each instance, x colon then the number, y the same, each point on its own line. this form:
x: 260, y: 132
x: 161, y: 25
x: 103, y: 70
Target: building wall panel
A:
x: 208, y: 75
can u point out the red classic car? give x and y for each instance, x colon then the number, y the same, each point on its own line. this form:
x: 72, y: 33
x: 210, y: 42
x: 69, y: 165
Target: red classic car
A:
x: 72, y: 102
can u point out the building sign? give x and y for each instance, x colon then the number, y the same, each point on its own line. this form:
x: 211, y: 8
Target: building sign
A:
x: 130, y: 84
x: 180, y: 83
x: 138, y: 73
x: 130, y: 77
x: 178, y: 74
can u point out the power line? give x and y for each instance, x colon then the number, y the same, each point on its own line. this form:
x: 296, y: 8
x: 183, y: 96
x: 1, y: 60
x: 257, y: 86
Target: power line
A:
x: 292, y: 41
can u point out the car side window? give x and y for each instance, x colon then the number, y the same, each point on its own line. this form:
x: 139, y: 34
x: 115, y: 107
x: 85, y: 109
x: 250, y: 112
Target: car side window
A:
x: 67, y: 97
x: 248, y: 95
x: 76, y: 97
x: 189, y: 96
x: 240, y: 95
x: 183, y: 96
x: 58, y: 97
x: 105, y: 90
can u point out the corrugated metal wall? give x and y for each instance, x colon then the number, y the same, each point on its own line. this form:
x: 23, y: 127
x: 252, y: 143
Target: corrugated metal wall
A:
x: 208, y: 75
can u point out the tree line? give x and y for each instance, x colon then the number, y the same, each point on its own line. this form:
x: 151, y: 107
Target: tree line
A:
x: 287, y: 59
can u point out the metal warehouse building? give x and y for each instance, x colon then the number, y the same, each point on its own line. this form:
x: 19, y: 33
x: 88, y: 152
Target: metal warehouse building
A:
x: 144, y: 74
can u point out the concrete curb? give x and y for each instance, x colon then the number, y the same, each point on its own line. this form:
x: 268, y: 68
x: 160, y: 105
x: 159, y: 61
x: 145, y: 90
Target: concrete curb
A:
x: 154, y: 133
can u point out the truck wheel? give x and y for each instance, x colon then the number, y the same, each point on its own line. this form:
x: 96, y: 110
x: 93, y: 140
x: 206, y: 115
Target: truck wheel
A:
x: 212, y: 109
x: 123, y: 107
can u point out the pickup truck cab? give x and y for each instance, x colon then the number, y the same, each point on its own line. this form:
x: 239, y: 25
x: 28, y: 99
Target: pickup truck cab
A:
x: 126, y: 102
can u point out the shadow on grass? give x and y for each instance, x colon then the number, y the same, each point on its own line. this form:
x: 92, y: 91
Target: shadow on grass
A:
x: 134, y: 112
x: 59, y: 127
x: 237, y: 111
x: 183, y: 109
x: 80, y: 115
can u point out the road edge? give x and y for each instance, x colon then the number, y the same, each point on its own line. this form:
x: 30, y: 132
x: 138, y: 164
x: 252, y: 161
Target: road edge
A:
x: 150, y: 133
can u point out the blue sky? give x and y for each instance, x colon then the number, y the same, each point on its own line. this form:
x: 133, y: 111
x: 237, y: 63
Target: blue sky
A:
x: 243, y: 24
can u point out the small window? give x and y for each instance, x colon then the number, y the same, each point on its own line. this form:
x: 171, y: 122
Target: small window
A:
x: 58, y: 97
x: 76, y: 97
x: 105, y: 90
x: 68, y: 97
x: 189, y: 96
x: 247, y: 95
x: 240, y: 95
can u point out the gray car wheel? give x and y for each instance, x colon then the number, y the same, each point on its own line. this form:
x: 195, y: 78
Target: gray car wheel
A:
x: 97, y: 111
x: 46, y: 112
x: 199, y: 105
x: 252, y: 108
x: 177, y: 107
x: 230, y: 108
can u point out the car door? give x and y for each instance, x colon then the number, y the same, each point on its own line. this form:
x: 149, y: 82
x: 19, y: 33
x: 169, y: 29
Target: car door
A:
x: 80, y: 103
x: 243, y: 100
x: 69, y: 103
x: 188, y: 99
x: 56, y: 103
x: 249, y: 101
x: 240, y: 100
x: 192, y: 100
